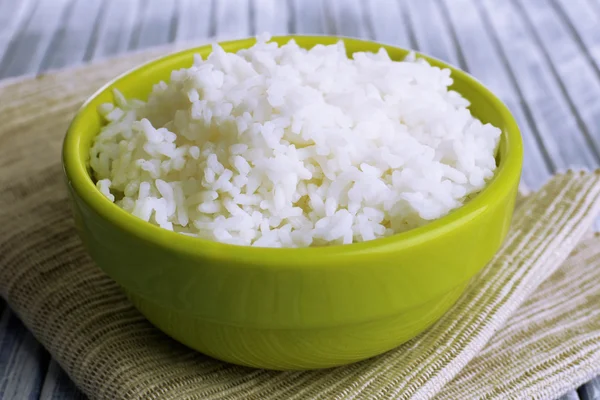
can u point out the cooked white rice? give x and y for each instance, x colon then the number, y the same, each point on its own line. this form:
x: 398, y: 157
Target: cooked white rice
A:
x: 286, y: 147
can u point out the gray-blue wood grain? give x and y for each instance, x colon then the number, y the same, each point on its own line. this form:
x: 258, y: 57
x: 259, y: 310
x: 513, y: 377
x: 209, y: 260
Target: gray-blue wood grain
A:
x: 387, y: 25
x: 57, y: 385
x: 437, y: 42
x: 23, y: 361
x: 541, y: 57
x: 578, y: 78
x: 482, y: 49
x: 307, y: 16
x: 540, y: 87
x: 116, y: 28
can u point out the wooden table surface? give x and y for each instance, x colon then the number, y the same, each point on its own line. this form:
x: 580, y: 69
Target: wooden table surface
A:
x: 542, y: 57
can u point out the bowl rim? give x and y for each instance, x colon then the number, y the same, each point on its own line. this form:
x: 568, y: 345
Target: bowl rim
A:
x: 75, y: 170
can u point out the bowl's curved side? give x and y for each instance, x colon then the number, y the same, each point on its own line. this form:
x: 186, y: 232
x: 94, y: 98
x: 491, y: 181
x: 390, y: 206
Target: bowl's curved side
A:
x: 296, y: 349
x: 355, y: 288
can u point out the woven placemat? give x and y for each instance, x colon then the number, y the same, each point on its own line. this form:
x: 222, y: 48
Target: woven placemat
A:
x: 528, y: 325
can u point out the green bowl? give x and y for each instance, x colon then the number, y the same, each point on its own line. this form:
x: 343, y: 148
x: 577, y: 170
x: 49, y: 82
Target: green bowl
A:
x: 291, y: 308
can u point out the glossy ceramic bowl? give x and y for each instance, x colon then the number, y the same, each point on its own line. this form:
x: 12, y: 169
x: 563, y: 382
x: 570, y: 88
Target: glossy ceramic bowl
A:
x: 291, y: 308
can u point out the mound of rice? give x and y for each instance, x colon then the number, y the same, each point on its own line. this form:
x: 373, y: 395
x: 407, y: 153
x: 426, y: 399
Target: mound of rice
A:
x: 286, y: 147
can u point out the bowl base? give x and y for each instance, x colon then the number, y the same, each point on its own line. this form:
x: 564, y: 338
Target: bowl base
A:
x: 296, y: 349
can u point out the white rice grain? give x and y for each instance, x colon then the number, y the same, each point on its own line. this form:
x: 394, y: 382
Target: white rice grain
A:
x: 287, y: 147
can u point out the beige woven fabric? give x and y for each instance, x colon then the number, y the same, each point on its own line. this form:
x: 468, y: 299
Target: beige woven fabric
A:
x: 528, y: 325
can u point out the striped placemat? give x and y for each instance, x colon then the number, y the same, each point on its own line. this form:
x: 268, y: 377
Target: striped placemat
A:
x: 528, y: 326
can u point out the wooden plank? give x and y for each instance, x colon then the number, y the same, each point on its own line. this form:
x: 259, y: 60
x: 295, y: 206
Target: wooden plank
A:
x: 572, y: 395
x: 591, y: 390
x: 578, y: 80
x: 272, y: 16
x: 23, y: 361
x: 26, y: 52
x: 116, y: 28
x: 558, y: 128
x: 387, y: 22
x: 582, y: 19
x: 308, y: 17
x: 485, y: 62
x: 194, y: 20
x: 432, y: 32
x: 72, y: 39
x: 595, y: 4
x: 58, y: 385
x: 232, y: 19
x: 158, y: 24
x: 12, y: 17
x: 347, y: 18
